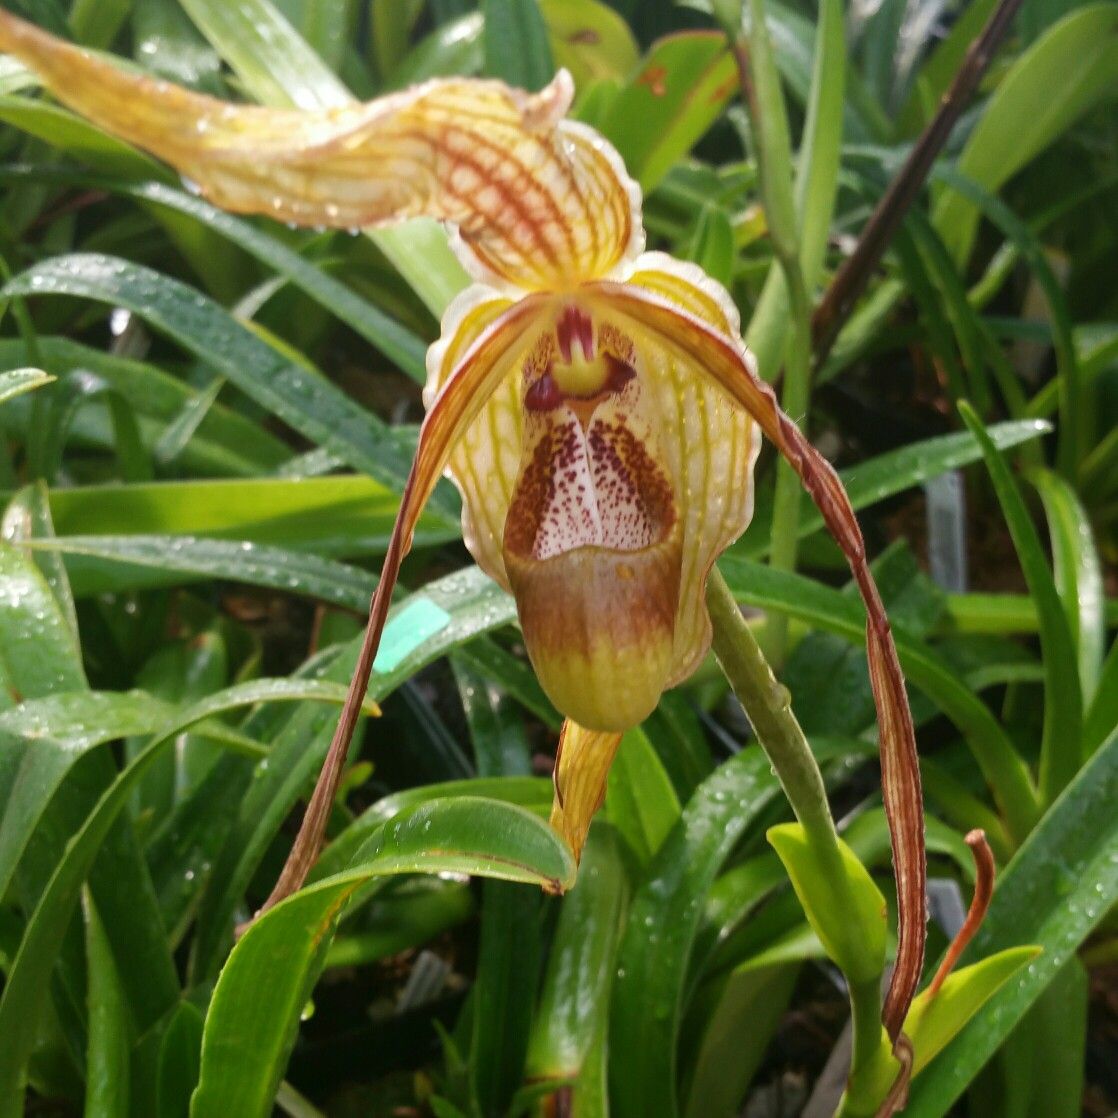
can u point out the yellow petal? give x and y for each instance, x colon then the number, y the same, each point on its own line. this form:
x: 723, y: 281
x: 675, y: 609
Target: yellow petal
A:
x: 581, y: 767
x: 483, y: 464
x: 710, y: 446
x: 700, y: 341
x: 537, y: 202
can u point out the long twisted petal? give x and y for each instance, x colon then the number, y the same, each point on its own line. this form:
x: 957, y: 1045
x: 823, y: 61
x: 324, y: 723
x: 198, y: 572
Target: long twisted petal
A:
x: 537, y: 201
x: 477, y: 376
x: 723, y: 360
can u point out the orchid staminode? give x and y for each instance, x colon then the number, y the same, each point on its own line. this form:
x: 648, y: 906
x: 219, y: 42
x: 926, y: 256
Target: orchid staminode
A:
x: 593, y: 402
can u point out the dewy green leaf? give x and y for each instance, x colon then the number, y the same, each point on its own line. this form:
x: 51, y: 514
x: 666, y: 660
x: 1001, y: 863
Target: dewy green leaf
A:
x: 1059, y: 885
x: 1078, y: 574
x: 38, y: 652
x: 17, y: 381
x: 476, y: 606
x: 663, y: 920
x: 572, y: 1017
x: 376, y: 327
x: 107, y: 1049
x: 265, y: 984
x: 303, y: 399
x: 22, y: 999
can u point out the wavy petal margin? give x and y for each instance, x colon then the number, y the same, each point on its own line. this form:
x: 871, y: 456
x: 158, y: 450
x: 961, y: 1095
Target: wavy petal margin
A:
x: 538, y: 202
x: 724, y: 360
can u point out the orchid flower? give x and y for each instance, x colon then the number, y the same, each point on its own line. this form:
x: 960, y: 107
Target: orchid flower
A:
x: 593, y: 402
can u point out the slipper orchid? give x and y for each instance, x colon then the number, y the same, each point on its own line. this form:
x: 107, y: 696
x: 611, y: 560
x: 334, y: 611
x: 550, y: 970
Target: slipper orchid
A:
x: 594, y: 403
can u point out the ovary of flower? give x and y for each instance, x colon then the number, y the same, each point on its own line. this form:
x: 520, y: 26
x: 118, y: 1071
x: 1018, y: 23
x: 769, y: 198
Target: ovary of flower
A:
x: 594, y: 403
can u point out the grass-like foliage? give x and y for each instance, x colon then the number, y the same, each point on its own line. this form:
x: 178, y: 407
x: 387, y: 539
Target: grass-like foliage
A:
x: 208, y: 422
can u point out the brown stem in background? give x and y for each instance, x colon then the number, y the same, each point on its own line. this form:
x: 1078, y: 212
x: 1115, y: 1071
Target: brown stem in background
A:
x: 980, y: 902
x: 850, y: 280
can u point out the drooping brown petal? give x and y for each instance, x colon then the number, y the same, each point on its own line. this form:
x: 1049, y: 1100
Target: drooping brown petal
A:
x: 477, y: 376
x: 581, y: 766
x: 537, y: 202
x: 722, y: 359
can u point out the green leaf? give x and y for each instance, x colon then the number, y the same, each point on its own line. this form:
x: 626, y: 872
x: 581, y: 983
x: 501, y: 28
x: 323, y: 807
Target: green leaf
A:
x: 1102, y: 716
x: 179, y: 1061
x: 21, y: 1002
x: 738, y: 1019
x: 1063, y: 702
x: 454, y: 47
x: 532, y: 793
x: 107, y: 1058
x: 225, y: 442
x: 160, y: 524
x: 379, y: 329
x: 572, y: 1017
x: 302, y: 398
x: 679, y: 91
x: 27, y: 520
x: 712, y: 246
x: 890, y: 473
x: 38, y: 650
x: 933, y: 1022
x: 18, y: 381
x: 517, y: 49
x: 663, y: 921
x: 269, y: 976
x: 1059, y: 885
x: 640, y: 800
x: 1034, y: 104
x: 589, y: 39
x: 849, y: 918
x: 404, y: 920
x: 42, y: 739
x: 473, y: 605
x: 1078, y: 574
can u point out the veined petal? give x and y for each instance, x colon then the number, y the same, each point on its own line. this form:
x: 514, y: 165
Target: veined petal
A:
x: 537, y: 202
x: 722, y: 359
x: 710, y: 445
x: 581, y: 767
x: 484, y: 462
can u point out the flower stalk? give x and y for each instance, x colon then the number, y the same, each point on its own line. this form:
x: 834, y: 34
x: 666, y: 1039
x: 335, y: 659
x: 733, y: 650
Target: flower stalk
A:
x: 768, y: 707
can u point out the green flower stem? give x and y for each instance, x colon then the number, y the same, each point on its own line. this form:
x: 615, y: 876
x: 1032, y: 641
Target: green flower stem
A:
x: 768, y: 706
x: 872, y: 1065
